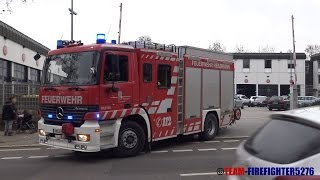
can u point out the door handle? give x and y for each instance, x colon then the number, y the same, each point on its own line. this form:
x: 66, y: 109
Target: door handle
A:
x: 169, y: 110
x: 127, y: 106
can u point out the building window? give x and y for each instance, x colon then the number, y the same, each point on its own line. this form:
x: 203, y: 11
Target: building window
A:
x: 318, y: 64
x: 147, y: 72
x: 267, y: 64
x: 318, y: 79
x: 4, y: 70
x: 290, y: 64
x: 164, y: 76
x: 246, y: 63
x: 20, y: 73
x: 34, y: 75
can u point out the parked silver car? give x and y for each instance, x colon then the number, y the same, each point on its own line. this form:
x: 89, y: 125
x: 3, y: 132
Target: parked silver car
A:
x: 244, y: 99
x: 304, y: 101
x: 238, y: 102
x: 290, y: 139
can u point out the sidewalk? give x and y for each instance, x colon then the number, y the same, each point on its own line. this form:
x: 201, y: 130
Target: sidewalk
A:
x: 18, y: 140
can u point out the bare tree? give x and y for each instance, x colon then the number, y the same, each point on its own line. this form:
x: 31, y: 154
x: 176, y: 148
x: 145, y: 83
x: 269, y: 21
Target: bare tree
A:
x: 312, y: 49
x: 144, y: 38
x: 5, y: 5
x: 217, y: 47
x: 267, y: 49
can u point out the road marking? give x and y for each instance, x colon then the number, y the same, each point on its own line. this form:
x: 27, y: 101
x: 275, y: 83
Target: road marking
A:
x: 199, y: 174
x: 61, y: 155
x: 53, y: 148
x: 182, y: 150
x: 211, y: 141
x: 165, y: 151
x: 5, y: 158
x: 29, y: 149
x: 231, y: 140
x: 36, y: 157
x: 233, y: 137
x: 229, y: 148
x: 210, y: 149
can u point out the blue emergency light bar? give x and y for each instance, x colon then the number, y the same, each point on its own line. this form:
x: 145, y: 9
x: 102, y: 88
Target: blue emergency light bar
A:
x: 65, y: 43
x: 70, y: 117
x: 101, y: 38
x: 50, y: 116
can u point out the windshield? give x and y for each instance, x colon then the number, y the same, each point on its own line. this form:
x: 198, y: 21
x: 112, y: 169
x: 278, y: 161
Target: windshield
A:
x: 76, y: 68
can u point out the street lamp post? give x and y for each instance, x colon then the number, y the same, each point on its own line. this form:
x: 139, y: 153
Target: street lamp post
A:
x: 72, y: 12
x: 293, y: 84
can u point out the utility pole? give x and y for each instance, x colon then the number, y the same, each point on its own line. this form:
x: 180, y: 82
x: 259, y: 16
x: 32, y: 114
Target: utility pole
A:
x: 72, y: 13
x: 293, y: 86
x: 120, y: 24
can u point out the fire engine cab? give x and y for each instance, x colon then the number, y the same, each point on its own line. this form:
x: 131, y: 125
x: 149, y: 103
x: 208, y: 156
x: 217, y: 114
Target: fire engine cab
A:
x: 126, y: 96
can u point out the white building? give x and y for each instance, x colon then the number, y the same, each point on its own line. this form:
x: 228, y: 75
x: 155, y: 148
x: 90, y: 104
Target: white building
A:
x: 268, y: 74
x: 19, y: 72
x: 315, y: 69
x: 17, y: 51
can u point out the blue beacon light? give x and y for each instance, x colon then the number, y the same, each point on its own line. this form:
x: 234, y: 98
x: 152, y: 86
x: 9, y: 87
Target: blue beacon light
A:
x: 50, y: 116
x: 101, y: 38
x: 70, y: 117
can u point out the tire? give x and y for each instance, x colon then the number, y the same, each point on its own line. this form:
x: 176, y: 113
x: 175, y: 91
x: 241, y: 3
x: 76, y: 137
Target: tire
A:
x: 270, y: 109
x: 242, y: 107
x: 210, y: 128
x: 131, y: 139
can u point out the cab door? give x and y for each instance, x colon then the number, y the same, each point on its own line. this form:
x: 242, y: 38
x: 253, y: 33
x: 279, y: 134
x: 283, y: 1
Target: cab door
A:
x: 116, y: 89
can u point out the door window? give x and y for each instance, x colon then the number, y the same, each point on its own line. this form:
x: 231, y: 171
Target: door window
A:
x: 116, y: 68
x: 147, y: 72
x: 164, y: 76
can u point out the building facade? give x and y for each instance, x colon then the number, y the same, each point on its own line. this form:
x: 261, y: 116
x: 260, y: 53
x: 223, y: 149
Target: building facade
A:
x: 315, y: 61
x: 268, y: 74
x: 19, y: 72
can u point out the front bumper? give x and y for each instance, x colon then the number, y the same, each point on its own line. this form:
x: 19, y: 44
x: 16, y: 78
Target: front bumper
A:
x: 56, y: 140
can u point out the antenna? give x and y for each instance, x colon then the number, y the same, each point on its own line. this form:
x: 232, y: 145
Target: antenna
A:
x: 120, y: 23
x: 108, y: 31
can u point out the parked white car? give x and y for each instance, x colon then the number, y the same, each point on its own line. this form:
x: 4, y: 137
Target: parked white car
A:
x: 244, y: 99
x: 289, y: 139
x: 238, y: 102
x: 304, y: 101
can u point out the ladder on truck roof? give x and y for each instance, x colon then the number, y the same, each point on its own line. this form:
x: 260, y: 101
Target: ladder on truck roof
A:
x: 152, y: 45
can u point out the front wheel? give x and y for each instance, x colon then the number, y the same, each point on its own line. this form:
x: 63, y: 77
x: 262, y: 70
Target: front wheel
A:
x: 131, y: 139
x: 210, y: 128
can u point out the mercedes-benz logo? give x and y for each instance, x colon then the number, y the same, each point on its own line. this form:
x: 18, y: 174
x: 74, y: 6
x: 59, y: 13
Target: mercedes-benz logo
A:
x: 59, y: 113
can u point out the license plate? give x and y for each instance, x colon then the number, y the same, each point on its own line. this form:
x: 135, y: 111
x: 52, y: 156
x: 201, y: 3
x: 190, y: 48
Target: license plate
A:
x: 57, y: 131
x: 275, y: 102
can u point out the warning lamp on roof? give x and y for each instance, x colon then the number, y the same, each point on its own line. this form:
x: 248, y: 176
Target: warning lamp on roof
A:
x: 101, y: 38
x: 113, y: 42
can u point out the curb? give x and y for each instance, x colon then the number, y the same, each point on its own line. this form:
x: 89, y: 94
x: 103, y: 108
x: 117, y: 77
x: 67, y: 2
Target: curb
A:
x: 20, y: 146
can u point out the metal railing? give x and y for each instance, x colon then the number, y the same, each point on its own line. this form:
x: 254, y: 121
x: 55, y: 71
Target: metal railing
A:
x: 27, y: 96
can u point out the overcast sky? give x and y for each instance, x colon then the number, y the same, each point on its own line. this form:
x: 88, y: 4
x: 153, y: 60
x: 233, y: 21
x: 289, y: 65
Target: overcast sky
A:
x: 252, y: 23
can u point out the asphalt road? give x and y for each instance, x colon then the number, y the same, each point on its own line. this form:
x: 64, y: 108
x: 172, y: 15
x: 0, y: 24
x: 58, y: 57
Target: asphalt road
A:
x: 174, y: 159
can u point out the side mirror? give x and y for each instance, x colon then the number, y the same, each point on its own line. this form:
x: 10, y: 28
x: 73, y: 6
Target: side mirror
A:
x: 93, y: 72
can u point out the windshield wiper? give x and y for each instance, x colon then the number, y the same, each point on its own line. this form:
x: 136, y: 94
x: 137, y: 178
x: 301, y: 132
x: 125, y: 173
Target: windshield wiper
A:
x: 50, y: 89
x: 76, y: 88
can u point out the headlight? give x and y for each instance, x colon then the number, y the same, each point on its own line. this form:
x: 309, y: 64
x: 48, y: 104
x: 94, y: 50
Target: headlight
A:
x: 84, y: 137
x: 42, y: 132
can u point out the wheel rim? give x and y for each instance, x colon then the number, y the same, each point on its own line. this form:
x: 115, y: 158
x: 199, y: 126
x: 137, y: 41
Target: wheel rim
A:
x: 129, y: 139
x: 211, y: 127
x: 238, y: 114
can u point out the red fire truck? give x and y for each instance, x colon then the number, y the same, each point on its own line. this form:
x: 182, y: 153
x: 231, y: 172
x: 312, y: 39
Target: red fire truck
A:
x: 126, y: 96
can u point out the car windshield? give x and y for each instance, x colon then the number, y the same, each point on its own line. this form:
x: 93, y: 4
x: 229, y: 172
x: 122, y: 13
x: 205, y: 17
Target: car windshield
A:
x: 284, y: 142
x: 276, y: 98
x: 76, y: 68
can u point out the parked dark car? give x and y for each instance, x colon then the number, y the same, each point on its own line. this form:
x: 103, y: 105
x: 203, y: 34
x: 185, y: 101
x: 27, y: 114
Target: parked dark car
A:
x: 278, y: 102
x: 265, y: 102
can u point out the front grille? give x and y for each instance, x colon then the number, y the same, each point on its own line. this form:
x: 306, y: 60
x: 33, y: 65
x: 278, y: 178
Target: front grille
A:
x: 77, y: 113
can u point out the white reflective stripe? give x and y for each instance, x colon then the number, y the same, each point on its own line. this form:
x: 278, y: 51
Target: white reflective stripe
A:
x: 105, y: 114
x: 123, y: 113
x: 145, y: 104
x: 142, y: 56
x: 173, y: 59
x: 147, y: 56
x: 161, y: 58
x: 160, y: 133
x: 165, y: 104
x: 190, y: 128
x: 157, y: 57
x: 134, y: 110
x: 196, y: 127
x: 141, y: 111
x: 171, y: 90
x: 155, y: 103
x: 114, y: 114
x: 166, y: 133
x: 198, y: 123
x: 175, y: 69
x: 151, y: 57
x: 152, y: 110
x: 174, y: 79
x: 172, y: 131
x: 167, y: 58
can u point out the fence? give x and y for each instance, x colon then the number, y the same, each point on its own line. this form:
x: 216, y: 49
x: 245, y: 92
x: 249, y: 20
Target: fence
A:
x: 27, y: 96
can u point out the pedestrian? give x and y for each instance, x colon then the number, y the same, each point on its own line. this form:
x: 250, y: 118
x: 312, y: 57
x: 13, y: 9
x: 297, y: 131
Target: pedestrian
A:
x: 9, y: 115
